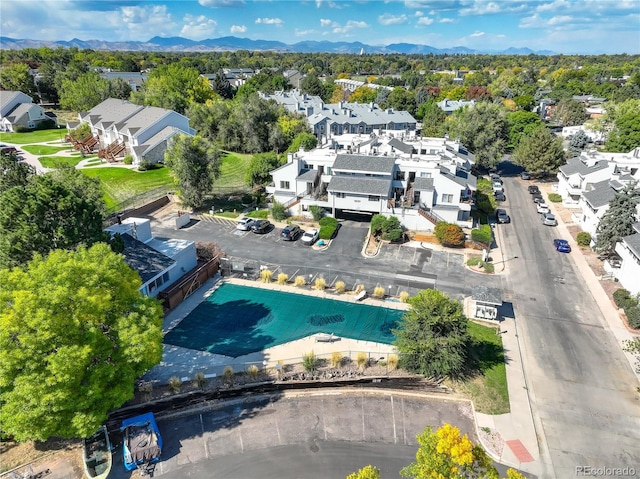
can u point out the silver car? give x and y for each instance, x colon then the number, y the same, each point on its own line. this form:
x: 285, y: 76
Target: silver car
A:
x: 245, y: 224
x: 549, y: 220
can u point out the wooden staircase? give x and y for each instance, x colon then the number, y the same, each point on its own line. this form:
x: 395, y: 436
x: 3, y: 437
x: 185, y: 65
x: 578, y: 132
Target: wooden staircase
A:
x: 112, y: 151
x: 430, y: 215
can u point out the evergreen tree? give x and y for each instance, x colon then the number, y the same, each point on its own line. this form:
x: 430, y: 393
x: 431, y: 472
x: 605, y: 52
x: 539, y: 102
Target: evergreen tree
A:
x: 618, y: 220
x: 539, y: 151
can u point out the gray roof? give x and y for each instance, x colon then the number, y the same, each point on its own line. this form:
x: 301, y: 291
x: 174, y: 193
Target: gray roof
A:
x: 365, y: 163
x: 308, y: 175
x: 600, y: 195
x: 423, y: 184
x: 399, y: 145
x: 360, y: 113
x: 110, y: 110
x: 636, y: 226
x: 633, y: 242
x: 19, y: 111
x: 461, y: 177
x: 486, y: 294
x: 360, y: 185
x: 576, y: 165
x: 142, y: 119
x: 148, y: 262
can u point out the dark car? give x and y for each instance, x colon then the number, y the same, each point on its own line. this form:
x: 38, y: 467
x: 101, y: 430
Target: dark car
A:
x: 533, y: 190
x: 261, y: 226
x: 525, y: 176
x: 502, y: 216
x: 499, y: 196
x: 561, y: 245
x: 537, y: 198
x: 291, y: 233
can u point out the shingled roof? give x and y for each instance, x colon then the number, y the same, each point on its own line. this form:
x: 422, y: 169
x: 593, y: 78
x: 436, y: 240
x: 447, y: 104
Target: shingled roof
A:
x: 364, y: 163
x: 360, y: 185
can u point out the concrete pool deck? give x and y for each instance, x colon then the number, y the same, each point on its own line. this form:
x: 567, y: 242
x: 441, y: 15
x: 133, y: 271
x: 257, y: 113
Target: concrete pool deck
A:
x: 185, y: 363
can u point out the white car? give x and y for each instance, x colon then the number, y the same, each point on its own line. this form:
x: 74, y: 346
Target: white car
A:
x: 497, y: 187
x: 245, y: 224
x: 542, y: 208
x: 310, y: 236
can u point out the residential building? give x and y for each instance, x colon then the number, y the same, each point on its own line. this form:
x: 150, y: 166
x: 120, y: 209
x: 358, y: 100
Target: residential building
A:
x: 17, y: 110
x: 123, y: 128
x: 159, y: 262
x: 578, y: 173
x: 353, y: 85
x: 629, y: 251
x: 449, y: 106
x: 420, y: 180
x: 592, y: 135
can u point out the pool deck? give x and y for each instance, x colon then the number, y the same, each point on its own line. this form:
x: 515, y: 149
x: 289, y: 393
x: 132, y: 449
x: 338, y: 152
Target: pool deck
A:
x: 185, y: 363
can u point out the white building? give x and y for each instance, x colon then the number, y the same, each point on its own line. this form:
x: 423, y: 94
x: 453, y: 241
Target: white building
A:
x: 629, y: 251
x: 160, y: 263
x: 419, y: 180
x: 18, y: 110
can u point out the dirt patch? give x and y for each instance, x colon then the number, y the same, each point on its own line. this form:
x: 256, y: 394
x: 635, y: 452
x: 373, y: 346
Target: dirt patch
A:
x: 13, y: 454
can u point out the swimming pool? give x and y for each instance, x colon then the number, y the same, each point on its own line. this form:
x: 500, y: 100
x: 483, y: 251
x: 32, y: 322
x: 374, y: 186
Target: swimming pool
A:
x: 236, y: 320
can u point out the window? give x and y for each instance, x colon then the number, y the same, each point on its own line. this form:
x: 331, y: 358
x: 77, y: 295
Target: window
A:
x: 374, y: 198
x: 447, y: 198
x: 328, y: 170
x: 284, y: 185
x: 340, y: 195
x: 425, y: 174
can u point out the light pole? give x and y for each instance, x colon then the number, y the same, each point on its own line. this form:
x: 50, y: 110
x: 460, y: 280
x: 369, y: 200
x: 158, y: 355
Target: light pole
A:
x: 390, y: 286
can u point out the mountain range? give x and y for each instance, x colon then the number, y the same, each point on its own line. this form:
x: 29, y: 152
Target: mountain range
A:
x: 179, y: 44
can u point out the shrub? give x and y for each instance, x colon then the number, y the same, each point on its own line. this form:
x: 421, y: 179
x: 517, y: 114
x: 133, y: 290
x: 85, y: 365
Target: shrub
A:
x: 328, y: 226
x: 336, y: 359
x: 449, y: 234
x: 377, y: 222
x: 146, y: 388
x: 340, y: 286
x: 583, y: 238
x: 392, y: 361
x: 146, y: 165
x: 266, y: 275
x: 554, y: 197
x: 317, y: 212
x: 488, y: 267
x: 199, y: 381
x: 228, y: 375
x: 328, y: 221
x: 404, y: 296
x: 361, y: 360
x: 310, y: 361
x: 258, y: 214
x: 127, y: 160
x: 283, y: 278
x: 359, y: 288
x: 300, y: 281
x: 252, y: 372
x: 621, y: 297
x: 475, y: 261
x: 278, y: 211
x: 378, y: 292
x: 246, y: 199
x: 482, y: 234
x: 633, y: 314
x: 320, y: 284
x: 392, y: 229
x: 175, y: 384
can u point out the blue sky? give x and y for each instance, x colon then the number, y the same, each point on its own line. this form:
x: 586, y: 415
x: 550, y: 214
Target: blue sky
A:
x: 563, y: 26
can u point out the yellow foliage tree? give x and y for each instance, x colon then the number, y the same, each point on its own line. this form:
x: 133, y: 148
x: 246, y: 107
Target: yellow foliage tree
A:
x: 367, y: 472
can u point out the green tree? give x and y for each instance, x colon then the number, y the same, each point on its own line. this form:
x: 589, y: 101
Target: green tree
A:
x: 59, y: 210
x: 618, y: 220
x: 433, y: 119
x: 260, y: 168
x: 304, y: 140
x: 578, y: 142
x: 449, y: 234
x: 539, y: 151
x: 447, y: 454
x: 85, y: 92
x: 432, y: 336
x: 483, y: 129
x: 16, y: 77
x: 367, y: 472
x: 625, y: 135
x: 14, y: 172
x: 195, y: 164
x: 520, y: 124
x: 221, y: 85
x: 363, y: 94
x: 76, y: 334
x: 570, y: 112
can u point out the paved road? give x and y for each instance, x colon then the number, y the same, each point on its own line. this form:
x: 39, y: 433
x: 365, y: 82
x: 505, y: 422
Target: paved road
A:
x: 580, y: 385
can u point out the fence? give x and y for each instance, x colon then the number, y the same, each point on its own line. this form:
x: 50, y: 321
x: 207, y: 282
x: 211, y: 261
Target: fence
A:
x: 174, y: 295
x: 140, y: 200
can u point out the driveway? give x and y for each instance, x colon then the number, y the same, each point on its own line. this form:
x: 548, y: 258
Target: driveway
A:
x: 580, y: 385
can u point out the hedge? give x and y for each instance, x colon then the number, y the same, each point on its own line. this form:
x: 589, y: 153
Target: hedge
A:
x: 482, y: 234
x: 630, y: 304
x: 328, y: 227
x: 554, y: 197
x: 259, y: 214
x: 583, y: 238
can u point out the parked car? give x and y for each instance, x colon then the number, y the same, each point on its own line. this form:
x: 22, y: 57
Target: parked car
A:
x: 525, y: 176
x: 549, y: 220
x: 310, y: 236
x: 561, y: 245
x: 245, y: 224
x: 497, y: 186
x: 533, y: 189
x: 495, y: 178
x: 499, y: 195
x: 291, y: 233
x: 261, y: 226
x: 502, y: 216
x: 537, y: 198
x: 542, y: 208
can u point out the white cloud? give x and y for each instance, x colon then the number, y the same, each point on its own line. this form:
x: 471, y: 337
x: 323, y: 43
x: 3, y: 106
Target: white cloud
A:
x: 388, y: 19
x: 238, y: 29
x: 477, y: 34
x: 330, y: 4
x: 419, y: 13
x: 425, y: 21
x: 325, y: 22
x: 350, y: 25
x: 270, y: 21
x: 553, y: 6
x: 560, y: 19
x: 481, y: 7
x: 534, y: 21
x: 304, y: 33
x: 446, y: 20
x: 197, y: 28
x: 221, y: 3
x: 138, y: 21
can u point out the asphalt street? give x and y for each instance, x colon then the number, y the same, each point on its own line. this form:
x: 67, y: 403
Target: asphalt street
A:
x: 580, y: 385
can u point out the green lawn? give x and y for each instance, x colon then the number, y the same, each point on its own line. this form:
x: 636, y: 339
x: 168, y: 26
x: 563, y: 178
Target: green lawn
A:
x: 121, y: 184
x: 59, y: 161
x: 232, y: 172
x: 486, y: 382
x: 45, y: 149
x: 38, y: 136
